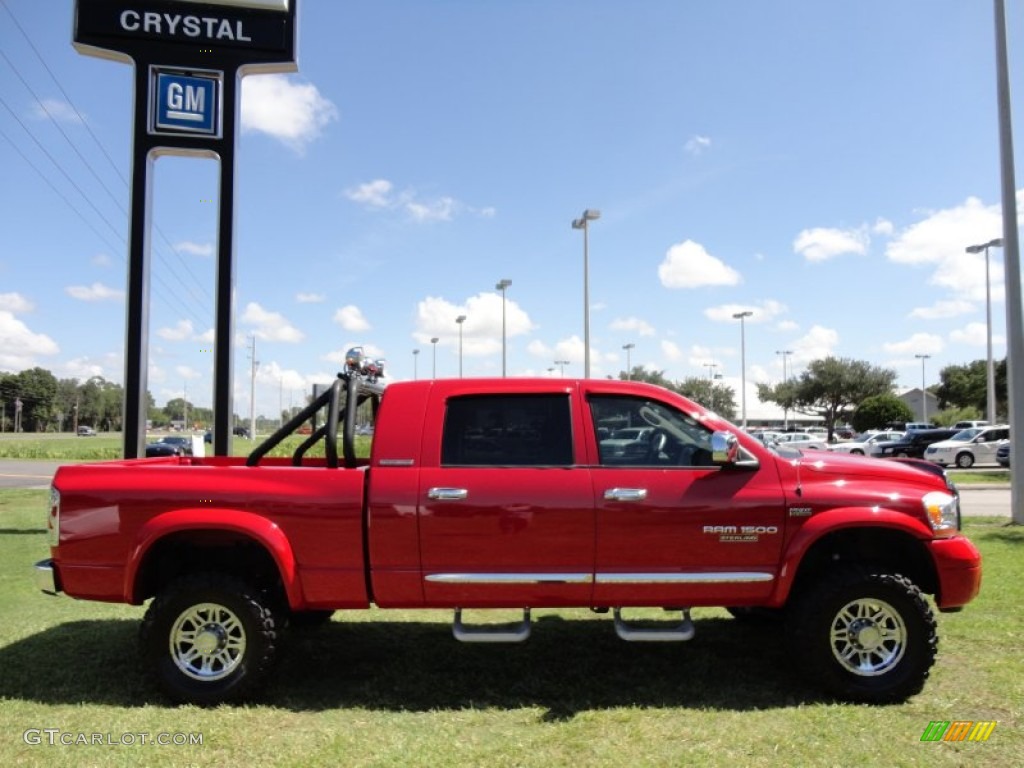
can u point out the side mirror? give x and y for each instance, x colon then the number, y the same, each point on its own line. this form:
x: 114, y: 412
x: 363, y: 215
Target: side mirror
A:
x: 725, y: 448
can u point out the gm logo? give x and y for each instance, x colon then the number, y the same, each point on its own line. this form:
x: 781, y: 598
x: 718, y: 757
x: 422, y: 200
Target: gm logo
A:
x: 185, y: 102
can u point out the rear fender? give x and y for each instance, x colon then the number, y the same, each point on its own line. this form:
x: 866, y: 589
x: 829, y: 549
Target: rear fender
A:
x: 256, y: 527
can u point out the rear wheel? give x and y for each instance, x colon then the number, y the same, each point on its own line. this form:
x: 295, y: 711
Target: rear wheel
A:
x: 865, y: 634
x: 209, y: 638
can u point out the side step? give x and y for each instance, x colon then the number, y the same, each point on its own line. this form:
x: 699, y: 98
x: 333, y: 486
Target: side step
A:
x: 492, y: 633
x: 670, y: 633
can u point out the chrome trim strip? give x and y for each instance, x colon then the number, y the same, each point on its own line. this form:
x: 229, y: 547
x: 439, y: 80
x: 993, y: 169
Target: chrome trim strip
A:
x: 732, y: 577
x: 397, y: 462
x: 510, y: 578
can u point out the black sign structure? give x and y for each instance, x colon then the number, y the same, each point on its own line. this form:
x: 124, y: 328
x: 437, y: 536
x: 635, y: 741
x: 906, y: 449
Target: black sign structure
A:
x: 189, y: 59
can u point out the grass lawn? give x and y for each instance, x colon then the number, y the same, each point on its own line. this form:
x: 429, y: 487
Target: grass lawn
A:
x: 392, y: 688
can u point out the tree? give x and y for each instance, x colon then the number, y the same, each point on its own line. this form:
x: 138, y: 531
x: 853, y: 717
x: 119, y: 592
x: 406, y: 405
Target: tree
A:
x: 830, y: 388
x: 880, y: 410
x: 712, y: 395
x: 639, y: 373
x: 36, y: 388
x: 966, y: 386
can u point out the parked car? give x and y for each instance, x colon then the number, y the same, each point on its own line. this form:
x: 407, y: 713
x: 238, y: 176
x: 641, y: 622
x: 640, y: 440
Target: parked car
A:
x: 86, y: 432
x: 181, y: 443
x: 803, y: 440
x: 912, y: 445
x: 969, y: 424
x: 861, y: 446
x: 627, y: 444
x: 969, y: 447
x: 1003, y: 454
x: 161, y: 449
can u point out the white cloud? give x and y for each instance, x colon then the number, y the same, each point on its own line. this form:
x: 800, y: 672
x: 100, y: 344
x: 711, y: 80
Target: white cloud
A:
x: 635, y: 324
x: 94, y: 292
x: 817, y: 343
x: 697, y: 144
x: 188, y: 373
x: 918, y: 344
x: 310, y: 298
x: 369, y: 350
x: 194, y: 249
x: 671, y: 351
x: 100, y: 260
x: 763, y: 312
x: 883, y: 227
x: 940, y: 241
x: 351, y: 318
x: 182, y: 331
x: 787, y: 325
x: 270, y: 326
x: 380, y: 194
x: 941, y: 310
x: 19, y: 346
x: 60, y: 111
x: 689, y: 265
x: 481, y: 331
x: 291, y: 112
x: 15, y: 303
x: 975, y: 335
x: 822, y: 243
x: 373, y: 194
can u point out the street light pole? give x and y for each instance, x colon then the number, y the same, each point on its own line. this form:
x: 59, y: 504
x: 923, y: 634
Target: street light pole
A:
x: 629, y: 370
x: 582, y: 223
x: 711, y: 384
x: 561, y: 367
x: 433, y: 366
x: 742, y: 316
x: 502, y: 285
x: 785, y: 380
x: 924, y: 392
x: 990, y: 375
x: 415, y: 359
x: 460, y: 320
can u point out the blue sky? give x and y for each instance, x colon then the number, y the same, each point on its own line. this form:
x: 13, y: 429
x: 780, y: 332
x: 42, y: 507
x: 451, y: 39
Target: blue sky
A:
x: 822, y: 165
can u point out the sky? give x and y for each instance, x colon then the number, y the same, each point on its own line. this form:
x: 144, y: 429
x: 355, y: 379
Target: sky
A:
x: 820, y: 165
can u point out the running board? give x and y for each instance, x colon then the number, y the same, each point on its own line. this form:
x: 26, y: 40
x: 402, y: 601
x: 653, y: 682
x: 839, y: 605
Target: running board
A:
x: 670, y: 633
x: 492, y: 633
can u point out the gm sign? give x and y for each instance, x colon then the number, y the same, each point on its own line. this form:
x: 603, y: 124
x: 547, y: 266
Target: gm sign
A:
x: 185, y: 102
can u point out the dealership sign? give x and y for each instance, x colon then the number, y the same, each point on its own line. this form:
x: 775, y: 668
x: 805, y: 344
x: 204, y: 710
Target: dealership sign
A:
x: 189, y: 58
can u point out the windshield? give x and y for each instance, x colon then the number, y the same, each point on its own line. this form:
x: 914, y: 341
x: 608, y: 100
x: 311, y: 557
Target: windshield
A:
x: 966, y: 435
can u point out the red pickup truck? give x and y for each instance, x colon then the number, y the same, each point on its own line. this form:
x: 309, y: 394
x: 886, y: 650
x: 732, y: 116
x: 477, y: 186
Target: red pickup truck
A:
x: 516, y: 493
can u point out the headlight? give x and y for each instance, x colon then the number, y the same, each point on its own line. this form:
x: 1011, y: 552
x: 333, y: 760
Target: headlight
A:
x: 943, y: 511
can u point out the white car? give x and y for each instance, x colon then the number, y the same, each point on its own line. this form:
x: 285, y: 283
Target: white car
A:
x: 969, y: 447
x: 802, y: 440
x: 863, y: 445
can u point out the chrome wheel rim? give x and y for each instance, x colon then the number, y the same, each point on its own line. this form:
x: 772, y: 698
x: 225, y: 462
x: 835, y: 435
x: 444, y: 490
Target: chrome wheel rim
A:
x: 207, y: 642
x: 868, y: 637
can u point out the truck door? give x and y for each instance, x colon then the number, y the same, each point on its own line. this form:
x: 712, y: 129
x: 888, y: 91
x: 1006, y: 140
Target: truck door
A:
x: 506, y: 516
x: 672, y: 528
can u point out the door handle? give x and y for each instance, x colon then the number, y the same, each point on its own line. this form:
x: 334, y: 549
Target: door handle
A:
x: 625, y: 494
x: 447, y: 494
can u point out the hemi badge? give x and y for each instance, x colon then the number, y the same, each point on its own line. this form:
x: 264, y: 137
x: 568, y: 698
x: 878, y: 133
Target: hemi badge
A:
x: 800, y: 511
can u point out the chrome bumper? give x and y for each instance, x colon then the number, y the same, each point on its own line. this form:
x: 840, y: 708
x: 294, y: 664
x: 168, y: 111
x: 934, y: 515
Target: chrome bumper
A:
x: 46, y: 577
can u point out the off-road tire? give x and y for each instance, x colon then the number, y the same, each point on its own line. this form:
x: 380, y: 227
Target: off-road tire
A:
x: 209, y: 638
x: 865, y: 634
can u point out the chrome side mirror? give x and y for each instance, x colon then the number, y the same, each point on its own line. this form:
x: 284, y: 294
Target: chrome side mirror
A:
x: 725, y: 448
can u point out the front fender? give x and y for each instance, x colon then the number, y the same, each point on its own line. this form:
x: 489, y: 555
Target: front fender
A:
x: 253, y: 526
x: 843, y: 518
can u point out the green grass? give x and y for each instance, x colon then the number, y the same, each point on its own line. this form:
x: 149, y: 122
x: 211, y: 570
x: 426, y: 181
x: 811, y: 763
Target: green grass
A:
x: 392, y: 688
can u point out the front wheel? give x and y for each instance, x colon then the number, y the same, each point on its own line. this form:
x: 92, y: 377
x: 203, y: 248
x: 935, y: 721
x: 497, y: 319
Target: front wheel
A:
x: 865, y: 634
x: 208, y: 638
x: 965, y: 460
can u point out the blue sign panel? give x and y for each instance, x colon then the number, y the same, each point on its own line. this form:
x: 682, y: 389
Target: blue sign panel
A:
x: 185, y: 103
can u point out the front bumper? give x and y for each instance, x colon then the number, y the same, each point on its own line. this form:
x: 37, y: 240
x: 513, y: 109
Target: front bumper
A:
x: 958, y: 567
x: 46, y: 577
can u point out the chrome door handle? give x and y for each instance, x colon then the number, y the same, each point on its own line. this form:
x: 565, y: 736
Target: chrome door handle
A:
x: 625, y: 494
x: 447, y: 494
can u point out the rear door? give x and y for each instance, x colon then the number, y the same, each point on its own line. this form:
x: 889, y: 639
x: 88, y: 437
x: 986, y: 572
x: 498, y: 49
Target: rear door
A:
x: 672, y: 528
x: 505, y: 513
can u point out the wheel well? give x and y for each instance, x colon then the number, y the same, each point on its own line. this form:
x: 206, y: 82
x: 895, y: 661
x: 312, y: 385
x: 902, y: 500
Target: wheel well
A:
x: 180, y: 554
x: 893, y: 550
